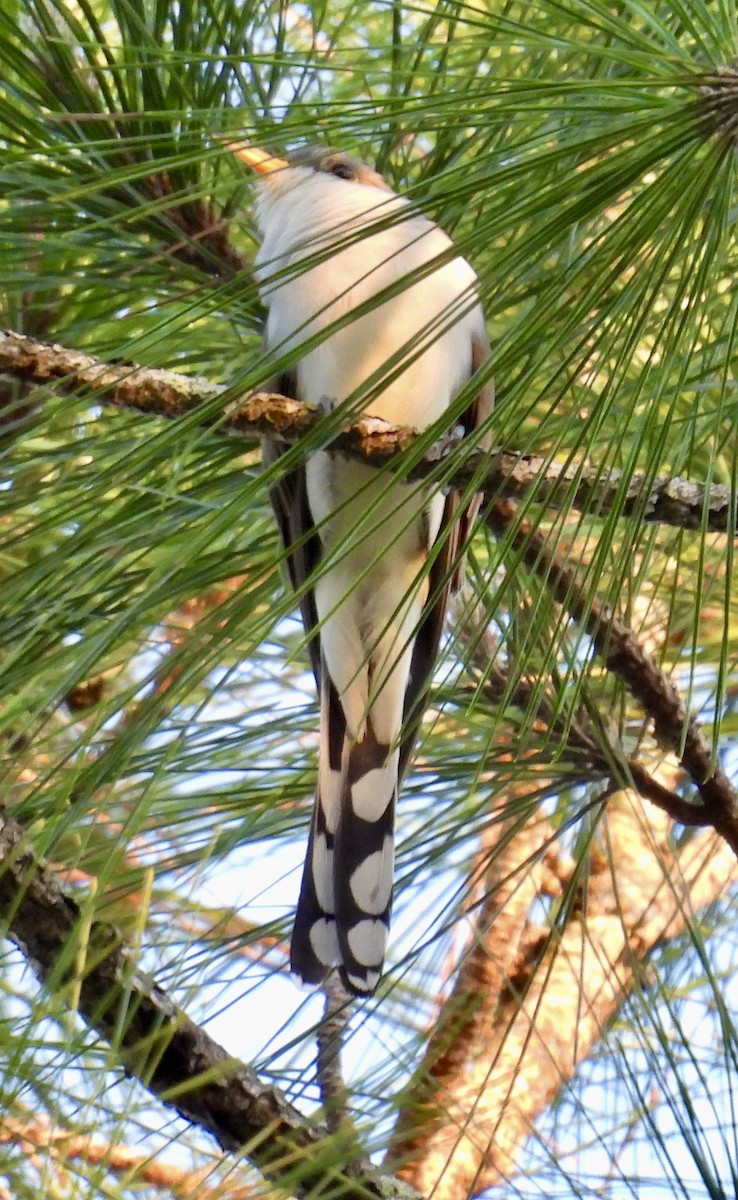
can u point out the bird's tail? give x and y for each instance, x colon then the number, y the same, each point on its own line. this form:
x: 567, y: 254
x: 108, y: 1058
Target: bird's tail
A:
x: 343, y: 912
x: 364, y: 860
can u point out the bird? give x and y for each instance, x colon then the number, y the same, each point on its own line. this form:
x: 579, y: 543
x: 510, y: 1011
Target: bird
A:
x: 372, y: 558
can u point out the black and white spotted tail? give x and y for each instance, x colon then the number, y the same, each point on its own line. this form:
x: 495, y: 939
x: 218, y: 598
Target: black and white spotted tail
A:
x: 343, y: 912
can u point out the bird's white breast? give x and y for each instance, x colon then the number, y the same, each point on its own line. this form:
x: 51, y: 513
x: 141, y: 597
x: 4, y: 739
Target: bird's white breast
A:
x: 407, y: 357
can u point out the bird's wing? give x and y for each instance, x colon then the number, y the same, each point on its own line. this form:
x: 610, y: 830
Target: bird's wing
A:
x: 299, y: 536
x: 447, y: 571
x: 302, y: 548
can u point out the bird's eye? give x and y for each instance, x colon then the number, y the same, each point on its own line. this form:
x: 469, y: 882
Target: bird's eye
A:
x: 342, y: 171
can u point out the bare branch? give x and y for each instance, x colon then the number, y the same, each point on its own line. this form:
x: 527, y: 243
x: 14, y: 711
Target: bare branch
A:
x: 597, y: 761
x: 675, y: 502
x: 512, y: 881
x: 529, y: 1002
x: 596, y: 756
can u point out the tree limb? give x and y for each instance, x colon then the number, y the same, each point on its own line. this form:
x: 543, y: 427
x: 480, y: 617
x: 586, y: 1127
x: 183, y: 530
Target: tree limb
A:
x: 529, y: 1001
x: 675, y: 502
x: 157, y: 1043
x: 675, y: 729
x: 168, y: 394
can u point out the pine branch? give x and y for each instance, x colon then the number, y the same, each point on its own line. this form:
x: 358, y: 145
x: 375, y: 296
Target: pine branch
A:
x: 674, y: 502
x: 36, y: 1134
x: 158, y: 1044
x: 505, y: 970
x: 675, y: 729
x: 596, y: 757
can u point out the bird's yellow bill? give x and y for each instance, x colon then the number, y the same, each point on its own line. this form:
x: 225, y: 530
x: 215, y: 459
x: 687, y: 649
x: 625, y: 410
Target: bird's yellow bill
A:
x: 261, y: 160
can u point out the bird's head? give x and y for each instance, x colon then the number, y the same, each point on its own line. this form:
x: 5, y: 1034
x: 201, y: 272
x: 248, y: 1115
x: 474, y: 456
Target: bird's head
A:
x: 333, y: 168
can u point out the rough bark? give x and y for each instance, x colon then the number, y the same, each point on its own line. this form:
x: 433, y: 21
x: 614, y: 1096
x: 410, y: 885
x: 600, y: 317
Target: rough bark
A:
x: 156, y: 1042
x: 675, y: 502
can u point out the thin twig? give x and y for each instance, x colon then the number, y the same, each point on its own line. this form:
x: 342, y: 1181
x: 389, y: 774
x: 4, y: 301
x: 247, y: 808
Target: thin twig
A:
x: 330, y: 1037
x: 597, y: 758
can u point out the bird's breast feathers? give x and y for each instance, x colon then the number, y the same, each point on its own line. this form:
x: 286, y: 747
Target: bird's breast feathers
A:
x: 408, y: 356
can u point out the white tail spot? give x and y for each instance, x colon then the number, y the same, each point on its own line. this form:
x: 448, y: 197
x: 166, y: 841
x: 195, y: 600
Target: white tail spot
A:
x: 364, y: 983
x: 331, y: 786
x: 371, y: 882
x: 323, y: 873
x: 324, y: 941
x: 367, y: 940
x: 371, y: 794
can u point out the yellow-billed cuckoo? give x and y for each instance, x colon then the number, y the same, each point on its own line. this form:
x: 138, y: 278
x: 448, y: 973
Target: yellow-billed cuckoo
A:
x: 333, y: 237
